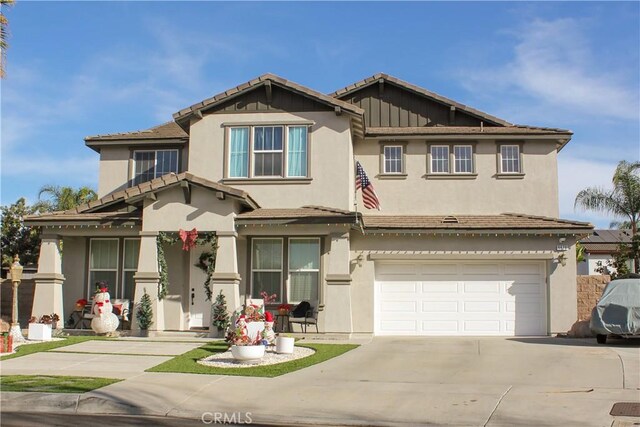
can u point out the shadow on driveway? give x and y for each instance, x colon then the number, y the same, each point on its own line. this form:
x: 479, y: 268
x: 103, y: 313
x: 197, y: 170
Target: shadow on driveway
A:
x: 580, y: 342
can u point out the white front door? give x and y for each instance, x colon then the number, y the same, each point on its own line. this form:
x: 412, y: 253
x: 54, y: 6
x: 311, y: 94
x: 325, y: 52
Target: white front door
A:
x: 460, y: 298
x: 199, y: 308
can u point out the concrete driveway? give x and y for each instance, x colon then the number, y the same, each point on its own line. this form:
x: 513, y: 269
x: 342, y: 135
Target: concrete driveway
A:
x: 404, y: 381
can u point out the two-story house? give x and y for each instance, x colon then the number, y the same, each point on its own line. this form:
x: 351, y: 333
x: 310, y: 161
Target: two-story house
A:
x: 468, y: 241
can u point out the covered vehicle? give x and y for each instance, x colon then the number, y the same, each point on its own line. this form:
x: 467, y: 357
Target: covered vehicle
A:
x: 618, y: 310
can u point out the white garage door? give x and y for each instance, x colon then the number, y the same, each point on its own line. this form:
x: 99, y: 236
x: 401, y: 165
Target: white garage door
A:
x: 460, y: 298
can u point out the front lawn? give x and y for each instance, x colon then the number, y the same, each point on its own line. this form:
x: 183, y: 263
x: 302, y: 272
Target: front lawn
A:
x: 188, y: 362
x: 26, y: 349
x: 53, y: 384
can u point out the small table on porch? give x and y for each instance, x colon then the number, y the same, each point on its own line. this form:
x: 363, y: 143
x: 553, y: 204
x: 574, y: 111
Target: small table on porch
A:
x: 282, y: 324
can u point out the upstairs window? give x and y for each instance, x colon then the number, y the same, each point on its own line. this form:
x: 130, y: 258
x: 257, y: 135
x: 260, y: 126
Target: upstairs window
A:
x: 268, y: 152
x: 392, y: 159
x: 439, y: 159
x: 463, y: 158
x: 510, y: 159
x: 153, y: 164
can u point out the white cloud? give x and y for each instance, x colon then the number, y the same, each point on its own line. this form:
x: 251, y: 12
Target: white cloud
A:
x: 575, y: 175
x: 554, y: 64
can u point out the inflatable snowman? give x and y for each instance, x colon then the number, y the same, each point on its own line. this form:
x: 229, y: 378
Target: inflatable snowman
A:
x: 104, y: 320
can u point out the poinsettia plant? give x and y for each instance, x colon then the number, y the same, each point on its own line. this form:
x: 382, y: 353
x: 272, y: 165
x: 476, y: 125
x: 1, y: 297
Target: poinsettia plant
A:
x: 284, y: 307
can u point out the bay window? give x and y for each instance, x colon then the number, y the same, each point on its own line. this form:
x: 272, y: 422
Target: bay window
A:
x: 287, y: 267
x: 274, y: 151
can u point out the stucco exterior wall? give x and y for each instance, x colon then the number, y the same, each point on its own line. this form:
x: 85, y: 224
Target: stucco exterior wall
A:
x: 114, y: 169
x: 206, y: 213
x: 330, y: 166
x: 561, y: 280
x: 418, y: 194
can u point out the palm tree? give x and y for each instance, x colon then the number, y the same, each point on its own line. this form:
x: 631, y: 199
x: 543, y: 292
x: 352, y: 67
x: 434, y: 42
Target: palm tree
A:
x: 622, y: 202
x: 65, y: 198
x: 4, y: 34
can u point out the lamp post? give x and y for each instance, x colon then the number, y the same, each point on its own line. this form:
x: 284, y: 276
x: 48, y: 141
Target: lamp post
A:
x: 16, y: 278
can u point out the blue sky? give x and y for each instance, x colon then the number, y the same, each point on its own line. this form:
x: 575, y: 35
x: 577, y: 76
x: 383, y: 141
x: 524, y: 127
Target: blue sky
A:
x: 85, y: 68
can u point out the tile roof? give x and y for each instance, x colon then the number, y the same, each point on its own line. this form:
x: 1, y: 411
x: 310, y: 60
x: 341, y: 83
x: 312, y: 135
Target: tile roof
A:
x: 303, y: 213
x: 158, y: 184
x: 169, y: 130
x: 506, y: 221
x: 464, y: 130
x: 103, y: 218
x: 259, y: 81
x: 421, y: 91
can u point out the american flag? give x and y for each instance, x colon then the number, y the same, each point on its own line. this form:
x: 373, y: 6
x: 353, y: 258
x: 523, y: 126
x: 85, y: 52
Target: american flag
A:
x: 369, y: 196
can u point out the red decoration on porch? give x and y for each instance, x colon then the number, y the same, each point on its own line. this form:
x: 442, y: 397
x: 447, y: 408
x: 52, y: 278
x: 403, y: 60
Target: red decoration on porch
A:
x: 268, y: 317
x: 188, y: 238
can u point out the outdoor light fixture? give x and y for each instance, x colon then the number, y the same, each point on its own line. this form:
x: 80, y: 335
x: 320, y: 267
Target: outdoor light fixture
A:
x: 16, y: 277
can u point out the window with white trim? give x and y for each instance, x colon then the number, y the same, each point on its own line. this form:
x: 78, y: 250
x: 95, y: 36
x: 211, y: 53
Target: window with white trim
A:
x: 153, y: 164
x: 510, y: 159
x: 304, y: 269
x: 288, y: 267
x: 392, y: 159
x: 439, y: 159
x: 266, y: 267
x: 462, y: 159
x: 274, y: 151
x: 103, y: 264
x: 130, y: 256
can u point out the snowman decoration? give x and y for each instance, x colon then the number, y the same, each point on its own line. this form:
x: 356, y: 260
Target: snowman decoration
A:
x: 104, y: 321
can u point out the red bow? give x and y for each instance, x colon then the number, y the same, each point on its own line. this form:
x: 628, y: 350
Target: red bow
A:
x: 188, y: 238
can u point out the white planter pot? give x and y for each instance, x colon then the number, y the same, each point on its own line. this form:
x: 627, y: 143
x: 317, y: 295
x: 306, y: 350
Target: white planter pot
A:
x: 39, y: 332
x: 284, y: 345
x: 247, y: 352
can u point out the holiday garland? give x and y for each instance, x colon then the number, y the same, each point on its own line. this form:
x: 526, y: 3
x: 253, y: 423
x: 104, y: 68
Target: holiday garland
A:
x: 207, y: 260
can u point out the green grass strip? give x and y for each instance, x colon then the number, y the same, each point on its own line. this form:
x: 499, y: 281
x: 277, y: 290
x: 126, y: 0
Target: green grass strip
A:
x: 187, y: 362
x: 53, y: 383
x: 26, y: 349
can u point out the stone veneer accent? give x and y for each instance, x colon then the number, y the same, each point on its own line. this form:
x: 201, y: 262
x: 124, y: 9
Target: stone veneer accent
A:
x: 589, y: 291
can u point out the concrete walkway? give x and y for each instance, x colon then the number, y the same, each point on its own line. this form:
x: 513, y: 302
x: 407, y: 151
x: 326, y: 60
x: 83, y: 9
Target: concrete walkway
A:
x: 389, y: 381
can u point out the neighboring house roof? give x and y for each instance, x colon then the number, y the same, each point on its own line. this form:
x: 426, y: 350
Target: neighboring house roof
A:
x: 340, y: 93
x: 303, y: 215
x: 464, y: 130
x: 479, y: 223
x: 605, y: 241
x: 182, y: 115
x: 139, y: 192
x: 166, y: 133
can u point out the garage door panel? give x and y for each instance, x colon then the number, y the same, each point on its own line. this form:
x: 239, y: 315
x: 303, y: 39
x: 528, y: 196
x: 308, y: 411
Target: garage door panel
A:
x: 480, y: 269
x: 439, y: 286
x: 438, y: 269
x: 399, y: 287
x: 400, y: 307
x: 481, y: 287
x: 440, y: 326
x: 440, y: 306
x: 481, y: 306
x: 474, y: 298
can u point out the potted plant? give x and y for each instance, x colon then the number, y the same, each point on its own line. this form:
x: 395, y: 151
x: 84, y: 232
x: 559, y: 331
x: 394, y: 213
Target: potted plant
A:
x: 284, y: 309
x: 40, y: 329
x: 144, y: 314
x: 220, y: 316
x: 243, y: 347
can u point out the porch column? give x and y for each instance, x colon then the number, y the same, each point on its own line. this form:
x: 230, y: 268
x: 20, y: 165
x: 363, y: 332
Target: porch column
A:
x: 47, y: 298
x: 337, y: 301
x: 226, y: 277
x: 147, y: 280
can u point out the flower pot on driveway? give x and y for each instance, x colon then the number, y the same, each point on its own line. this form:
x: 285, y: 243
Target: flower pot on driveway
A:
x: 247, y: 352
x: 285, y: 345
